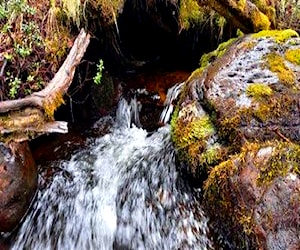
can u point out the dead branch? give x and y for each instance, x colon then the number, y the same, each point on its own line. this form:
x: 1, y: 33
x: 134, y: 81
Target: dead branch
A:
x: 14, y: 119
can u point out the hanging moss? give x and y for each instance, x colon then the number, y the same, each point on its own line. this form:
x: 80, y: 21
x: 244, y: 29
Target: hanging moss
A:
x: 265, y: 8
x: 293, y: 55
x: 50, y: 105
x: 190, y: 12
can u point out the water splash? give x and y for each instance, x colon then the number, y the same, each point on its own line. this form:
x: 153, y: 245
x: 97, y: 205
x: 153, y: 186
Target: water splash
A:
x: 172, y: 95
x: 121, y: 192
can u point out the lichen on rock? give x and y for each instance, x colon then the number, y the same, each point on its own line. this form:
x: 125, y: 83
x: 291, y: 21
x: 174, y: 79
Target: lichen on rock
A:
x: 250, y: 96
x: 251, y: 189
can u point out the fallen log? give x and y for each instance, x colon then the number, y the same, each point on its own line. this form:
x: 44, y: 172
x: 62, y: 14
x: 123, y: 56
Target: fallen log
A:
x: 243, y: 14
x: 26, y: 118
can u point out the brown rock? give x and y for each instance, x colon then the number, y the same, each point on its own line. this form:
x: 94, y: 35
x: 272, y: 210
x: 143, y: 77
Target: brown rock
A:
x: 18, y: 183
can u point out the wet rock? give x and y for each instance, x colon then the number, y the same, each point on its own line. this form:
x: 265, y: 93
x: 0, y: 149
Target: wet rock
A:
x: 18, y: 183
x: 248, y: 92
x: 254, y: 198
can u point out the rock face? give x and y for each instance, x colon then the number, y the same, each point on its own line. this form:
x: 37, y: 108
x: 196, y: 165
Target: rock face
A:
x: 238, y: 121
x: 18, y: 183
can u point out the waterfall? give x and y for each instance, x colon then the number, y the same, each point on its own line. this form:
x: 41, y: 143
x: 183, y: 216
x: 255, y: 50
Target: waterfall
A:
x: 172, y: 95
x: 121, y: 192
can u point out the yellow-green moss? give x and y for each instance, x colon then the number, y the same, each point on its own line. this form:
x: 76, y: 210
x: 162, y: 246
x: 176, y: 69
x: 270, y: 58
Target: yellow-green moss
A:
x: 228, y: 129
x: 206, y: 59
x: 241, y: 4
x: 276, y: 64
x: 293, y: 55
x: 222, y: 191
x: 195, y: 74
x: 186, y: 133
x: 51, y: 104
x: 265, y: 8
x: 260, y: 21
x: 285, y: 158
x: 280, y: 36
x: 190, y: 12
x: 190, y: 138
x: 258, y: 90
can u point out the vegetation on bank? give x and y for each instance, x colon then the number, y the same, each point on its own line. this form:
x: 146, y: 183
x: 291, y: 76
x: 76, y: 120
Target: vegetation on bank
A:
x: 35, y: 38
x: 37, y: 35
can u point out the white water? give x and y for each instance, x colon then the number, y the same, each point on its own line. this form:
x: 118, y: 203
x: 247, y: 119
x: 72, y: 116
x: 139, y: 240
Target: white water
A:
x: 122, y: 192
x: 172, y: 95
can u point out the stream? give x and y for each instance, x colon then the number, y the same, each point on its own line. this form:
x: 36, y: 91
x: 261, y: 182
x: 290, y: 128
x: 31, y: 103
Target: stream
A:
x: 122, y: 191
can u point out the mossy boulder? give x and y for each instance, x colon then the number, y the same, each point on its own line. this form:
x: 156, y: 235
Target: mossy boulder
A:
x: 248, y: 95
x: 253, y: 198
x: 248, y: 92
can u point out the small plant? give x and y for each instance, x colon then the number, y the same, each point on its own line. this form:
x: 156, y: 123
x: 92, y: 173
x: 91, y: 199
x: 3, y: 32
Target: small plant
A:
x: 14, y: 86
x: 97, y: 78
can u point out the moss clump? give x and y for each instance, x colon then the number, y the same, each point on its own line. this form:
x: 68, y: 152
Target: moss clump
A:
x: 190, y: 12
x: 265, y: 8
x: 190, y: 137
x: 258, y: 90
x: 224, y: 189
x: 51, y: 104
x: 280, y: 36
x: 285, y: 158
x: 260, y: 21
x: 184, y: 134
x: 228, y: 131
x: 276, y: 64
x: 293, y: 55
x: 206, y: 59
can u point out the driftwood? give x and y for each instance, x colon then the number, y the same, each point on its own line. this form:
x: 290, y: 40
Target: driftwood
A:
x: 25, y: 118
x: 243, y: 14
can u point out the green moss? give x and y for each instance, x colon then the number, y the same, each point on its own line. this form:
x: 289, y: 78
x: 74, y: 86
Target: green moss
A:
x: 280, y: 36
x: 206, y: 59
x: 184, y: 134
x: 265, y: 8
x: 276, y: 64
x: 190, y: 12
x: 228, y: 131
x: 258, y: 90
x: 51, y: 104
x: 241, y: 4
x: 190, y: 138
x: 285, y: 158
x: 293, y: 55
x: 260, y: 21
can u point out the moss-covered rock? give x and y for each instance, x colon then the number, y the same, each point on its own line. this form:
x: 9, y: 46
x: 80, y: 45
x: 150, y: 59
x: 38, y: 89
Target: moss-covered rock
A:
x: 249, y: 145
x: 248, y: 193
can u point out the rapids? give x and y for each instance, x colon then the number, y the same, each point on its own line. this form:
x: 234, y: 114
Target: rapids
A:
x: 123, y: 191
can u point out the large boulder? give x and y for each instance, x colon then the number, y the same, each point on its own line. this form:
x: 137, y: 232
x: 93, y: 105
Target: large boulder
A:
x: 238, y: 122
x: 18, y: 183
x: 254, y: 197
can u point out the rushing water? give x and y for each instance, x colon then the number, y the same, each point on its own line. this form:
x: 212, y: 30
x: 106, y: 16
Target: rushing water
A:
x: 122, y: 192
